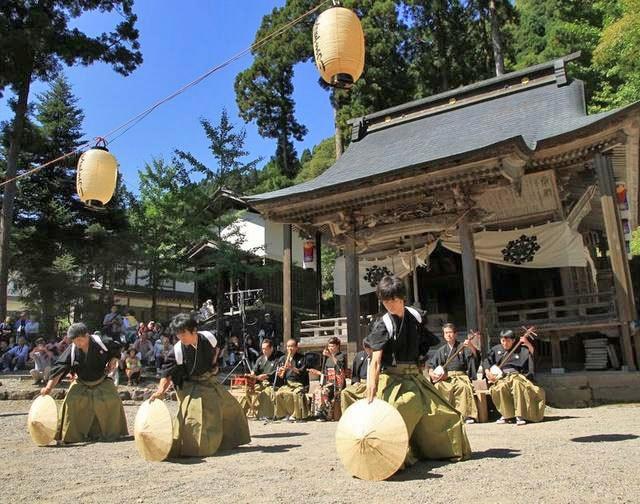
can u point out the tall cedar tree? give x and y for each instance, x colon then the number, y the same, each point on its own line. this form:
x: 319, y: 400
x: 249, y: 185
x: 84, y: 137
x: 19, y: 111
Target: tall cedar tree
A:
x: 35, y: 40
x: 53, y: 263
x: 227, y: 260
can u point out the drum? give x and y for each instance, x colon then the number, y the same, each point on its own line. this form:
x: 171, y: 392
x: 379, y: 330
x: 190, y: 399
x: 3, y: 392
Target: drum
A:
x: 496, y: 371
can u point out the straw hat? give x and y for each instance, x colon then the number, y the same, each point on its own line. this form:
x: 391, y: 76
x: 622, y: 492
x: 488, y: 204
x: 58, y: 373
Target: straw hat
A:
x: 153, y: 431
x: 372, y: 440
x: 42, y: 421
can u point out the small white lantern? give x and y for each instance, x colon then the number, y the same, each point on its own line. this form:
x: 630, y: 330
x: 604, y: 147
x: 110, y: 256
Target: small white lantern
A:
x: 338, y: 46
x: 97, y: 175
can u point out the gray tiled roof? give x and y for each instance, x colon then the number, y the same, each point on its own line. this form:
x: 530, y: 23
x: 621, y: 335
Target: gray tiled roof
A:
x: 533, y: 115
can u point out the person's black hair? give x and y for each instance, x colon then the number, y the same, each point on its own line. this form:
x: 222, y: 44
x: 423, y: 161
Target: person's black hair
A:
x: 76, y: 330
x: 183, y: 322
x: 267, y: 341
x: 449, y: 325
x: 334, y: 340
x: 507, y: 333
x: 391, y: 287
x: 131, y: 312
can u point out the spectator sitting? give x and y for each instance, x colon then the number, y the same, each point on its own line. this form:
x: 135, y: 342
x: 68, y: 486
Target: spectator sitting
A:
x: 251, y: 350
x: 42, y: 357
x: 130, y: 326
x: 61, y: 345
x: 144, y: 347
x: 4, y: 346
x: 16, y: 357
x: 32, y: 329
x: 21, y: 325
x: 233, y: 350
x: 6, y: 329
x: 162, y: 348
x: 112, y: 324
x: 133, y: 367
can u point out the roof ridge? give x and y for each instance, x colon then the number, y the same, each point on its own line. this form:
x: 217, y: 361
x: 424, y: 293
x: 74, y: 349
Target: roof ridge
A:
x: 557, y: 65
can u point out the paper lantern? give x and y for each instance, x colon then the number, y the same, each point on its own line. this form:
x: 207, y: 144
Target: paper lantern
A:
x: 97, y: 176
x: 338, y: 46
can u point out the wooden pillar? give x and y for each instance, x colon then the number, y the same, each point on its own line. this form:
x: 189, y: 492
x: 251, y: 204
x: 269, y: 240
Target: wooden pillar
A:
x: 353, y: 295
x: 486, y: 284
x: 617, y: 255
x: 556, y: 354
x: 287, y: 308
x: 319, y: 274
x: 414, y: 274
x: 470, y: 279
x: 407, y: 288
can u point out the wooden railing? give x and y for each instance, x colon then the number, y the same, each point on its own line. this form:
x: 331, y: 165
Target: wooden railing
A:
x: 557, y: 310
x: 324, y: 327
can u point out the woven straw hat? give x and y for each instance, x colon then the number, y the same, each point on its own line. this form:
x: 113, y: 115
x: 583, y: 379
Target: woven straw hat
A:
x: 42, y: 421
x: 372, y: 440
x: 153, y: 430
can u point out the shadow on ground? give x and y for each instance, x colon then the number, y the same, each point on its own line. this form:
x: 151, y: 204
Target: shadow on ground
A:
x: 280, y: 435
x: 604, y: 438
x: 556, y: 418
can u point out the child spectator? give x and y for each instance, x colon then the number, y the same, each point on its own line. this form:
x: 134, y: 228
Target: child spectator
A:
x: 162, y: 348
x: 133, y: 367
x: 42, y: 357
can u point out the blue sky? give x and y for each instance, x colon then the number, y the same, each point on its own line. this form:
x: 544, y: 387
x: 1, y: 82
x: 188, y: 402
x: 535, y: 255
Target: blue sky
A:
x: 180, y: 40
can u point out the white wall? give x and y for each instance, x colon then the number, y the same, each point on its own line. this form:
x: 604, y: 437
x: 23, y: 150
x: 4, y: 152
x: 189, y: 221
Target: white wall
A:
x: 275, y: 241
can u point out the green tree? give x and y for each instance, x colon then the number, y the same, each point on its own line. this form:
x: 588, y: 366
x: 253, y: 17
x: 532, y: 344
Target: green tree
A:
x: 53, y: 263
x: 226, y: 144
x: 35, y: 40
x: 616, y: 55
x: 229, y: 258
x: 548, y: 29
x: 165, y: 221
x: 317, y: 161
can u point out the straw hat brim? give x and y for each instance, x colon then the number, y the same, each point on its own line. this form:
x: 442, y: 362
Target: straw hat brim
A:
x: 372, y: 440
x: 153, y: 430
x: 42, y: 421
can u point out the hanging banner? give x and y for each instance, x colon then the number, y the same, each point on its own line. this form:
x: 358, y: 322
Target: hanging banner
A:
x: 309, y: 255
x: 552, y: 245
x: 371, y: 270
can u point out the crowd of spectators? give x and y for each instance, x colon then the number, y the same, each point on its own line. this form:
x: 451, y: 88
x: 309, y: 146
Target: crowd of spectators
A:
x: 145, y: 345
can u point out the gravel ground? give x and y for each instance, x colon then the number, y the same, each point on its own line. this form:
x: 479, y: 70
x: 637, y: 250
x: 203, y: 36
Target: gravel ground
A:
x: 582, y: 455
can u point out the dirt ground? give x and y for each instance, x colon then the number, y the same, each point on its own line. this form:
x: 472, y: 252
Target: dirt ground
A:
x: 581, y: 455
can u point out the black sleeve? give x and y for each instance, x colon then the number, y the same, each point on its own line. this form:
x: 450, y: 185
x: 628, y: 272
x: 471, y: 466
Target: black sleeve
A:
x: 491, y: 359
x: 436, y: 359
x: 472, y: 363
x: 378, y: 336
x: 355, y: 370
x: 62, y: 364
x: 171, y: 369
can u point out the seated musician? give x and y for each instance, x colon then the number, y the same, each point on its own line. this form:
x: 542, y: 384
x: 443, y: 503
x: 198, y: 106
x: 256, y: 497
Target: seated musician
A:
x: 332, y: 379
x: 398, y: 340
x: 515, y: 396
x: 264, y: 374
x: 291, y: 402
x: 451, y: 373
x: 358, y: 388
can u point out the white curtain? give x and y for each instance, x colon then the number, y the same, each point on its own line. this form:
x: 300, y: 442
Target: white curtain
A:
x: 370, y: 268
x: 552, y: 245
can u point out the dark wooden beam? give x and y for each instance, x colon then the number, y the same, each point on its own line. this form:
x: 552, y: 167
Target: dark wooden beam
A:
x: 287, y: 305
x: 352, y: 295
x: 617, y: 255
x: 319, y: 274
x: 470, y: 279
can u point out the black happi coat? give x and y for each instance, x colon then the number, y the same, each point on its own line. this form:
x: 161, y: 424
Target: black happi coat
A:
x: 408, y: 344
x: 88, y: 367
x: 465, y: 361
x: 520, y: 361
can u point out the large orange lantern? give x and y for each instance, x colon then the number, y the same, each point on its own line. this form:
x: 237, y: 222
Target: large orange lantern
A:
x: 97, y: 175
x: 338, y: 46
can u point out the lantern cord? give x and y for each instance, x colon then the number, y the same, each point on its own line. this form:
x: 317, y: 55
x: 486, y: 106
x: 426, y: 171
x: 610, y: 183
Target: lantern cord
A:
x: 126, y: 126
